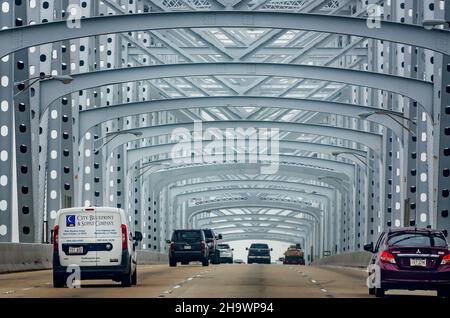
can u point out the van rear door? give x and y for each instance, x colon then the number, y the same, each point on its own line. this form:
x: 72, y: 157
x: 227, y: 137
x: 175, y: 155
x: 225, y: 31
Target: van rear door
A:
x: 77, y: 237
x: 109, y: 236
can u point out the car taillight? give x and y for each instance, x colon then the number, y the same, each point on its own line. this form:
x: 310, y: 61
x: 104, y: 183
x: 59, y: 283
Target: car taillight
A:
x: 203, y: 245
x: 446, y: 260
x: 387, y: 257
x: 172, y: 245
x: 55, y: 238
x: 124, y: 237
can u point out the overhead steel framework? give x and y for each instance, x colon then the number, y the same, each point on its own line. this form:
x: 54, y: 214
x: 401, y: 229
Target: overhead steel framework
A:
x: 97, y: 96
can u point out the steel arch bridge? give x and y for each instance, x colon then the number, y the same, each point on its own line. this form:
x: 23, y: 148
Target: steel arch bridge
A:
x: 312, y: 121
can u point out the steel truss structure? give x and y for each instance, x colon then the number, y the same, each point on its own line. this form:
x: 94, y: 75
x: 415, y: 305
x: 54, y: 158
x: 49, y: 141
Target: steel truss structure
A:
x: 359, y: 92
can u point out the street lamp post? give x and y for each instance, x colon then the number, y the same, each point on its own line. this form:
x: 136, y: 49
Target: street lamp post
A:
x: 391, y: 115
x: 114, y: 135
x: 65, y: 79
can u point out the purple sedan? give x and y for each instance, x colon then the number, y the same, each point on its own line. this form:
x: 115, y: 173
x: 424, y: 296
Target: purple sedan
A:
x: 409, y: 259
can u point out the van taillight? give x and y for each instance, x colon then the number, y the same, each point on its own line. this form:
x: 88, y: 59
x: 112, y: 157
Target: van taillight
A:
x: 55, y: 238
x: 124, y: 237
x: 446, y: 260
x: 203, y: 245
x: 172, y: 246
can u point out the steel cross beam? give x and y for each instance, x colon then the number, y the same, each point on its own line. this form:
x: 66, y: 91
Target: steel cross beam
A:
x: 18, y: 38
x: 191, y: 188
x: 287, y: 238
x: 418, y: 90
x: 267, y: 191
x: 261, y: 228
x: 308, y: 165
x: 240, y: 225
x: 91, y: 117
x: 137, y: 154
x: 257, y: 202
x: 249, y: 218
x: 367, y: 139
x: 289, y: 144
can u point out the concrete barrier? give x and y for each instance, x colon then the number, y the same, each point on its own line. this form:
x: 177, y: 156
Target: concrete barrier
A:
x: 19, y: 257
x: 353, y: 259
x: 15, y: 257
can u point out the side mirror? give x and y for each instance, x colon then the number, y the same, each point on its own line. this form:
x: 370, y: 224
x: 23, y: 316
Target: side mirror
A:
x: 445, y: 232
x: 232, y: 249
x: 369, y: 247
x: 271, y: 249
x: 138, y: 236
x: 220, y: 236
x: 246, y: 248
x: 168, y: 241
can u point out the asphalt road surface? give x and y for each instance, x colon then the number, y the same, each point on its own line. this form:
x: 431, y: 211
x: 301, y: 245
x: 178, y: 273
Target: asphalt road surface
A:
x: 216, y: 281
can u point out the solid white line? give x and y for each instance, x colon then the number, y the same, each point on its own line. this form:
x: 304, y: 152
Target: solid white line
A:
x: 176, y: 286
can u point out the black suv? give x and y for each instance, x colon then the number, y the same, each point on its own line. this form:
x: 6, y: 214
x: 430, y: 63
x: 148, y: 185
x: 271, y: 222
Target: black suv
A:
x: 258, y: 253
x: 188, y: 246
x: 211, y: 240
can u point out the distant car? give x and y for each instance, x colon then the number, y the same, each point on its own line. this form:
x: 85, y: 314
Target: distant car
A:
x: 409, y: 258
x: 238, y: 261
x: 259, y: 253
x: 211, y: 240
x: 188, y: 246
x: 226, y: 253
x: 98, y: 240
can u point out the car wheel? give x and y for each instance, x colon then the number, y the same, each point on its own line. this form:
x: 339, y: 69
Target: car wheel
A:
x: 134, y: 277
x: 172, y: 263
x: 59, y: 281
x: 372, y: 291
x: 205, y: 262
x: 127, y: 279
x: 379, y: 292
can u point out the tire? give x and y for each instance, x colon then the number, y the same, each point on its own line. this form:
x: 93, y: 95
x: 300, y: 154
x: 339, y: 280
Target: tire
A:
x: 372, y: 291
x: 205, y: 262
x: 126, y: 280
x: 379, y: 292
x: 215, y: 259
x: 59, y: 281
x: 134, y: 277
x: 172, y: 263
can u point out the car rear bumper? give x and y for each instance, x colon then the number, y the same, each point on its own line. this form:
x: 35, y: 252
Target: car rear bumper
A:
x: 95, y: 272
x: 258, y: 259
x: 181, y: 256
x: 415, y: 280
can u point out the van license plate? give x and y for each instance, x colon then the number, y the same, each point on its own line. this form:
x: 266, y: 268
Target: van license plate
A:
x: 418, y: 262
x: 187, y: 247
x: 76, y: 250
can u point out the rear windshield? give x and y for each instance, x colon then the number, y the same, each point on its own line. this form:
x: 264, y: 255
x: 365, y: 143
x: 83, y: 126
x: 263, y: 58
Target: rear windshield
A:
x: 187, y: 236
x: 259, y: 246
x: 223, y: 246
x: 208, y: 234
x: 417, y: 239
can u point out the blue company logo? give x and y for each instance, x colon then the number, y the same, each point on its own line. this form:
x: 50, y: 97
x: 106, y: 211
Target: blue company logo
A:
x: 70, y: 220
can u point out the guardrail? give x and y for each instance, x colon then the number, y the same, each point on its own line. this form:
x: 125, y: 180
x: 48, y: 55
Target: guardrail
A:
x: 352, y: 259
x: 18, y: 257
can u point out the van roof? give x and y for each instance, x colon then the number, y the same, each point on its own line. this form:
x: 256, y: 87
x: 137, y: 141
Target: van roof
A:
x: 83, y: 209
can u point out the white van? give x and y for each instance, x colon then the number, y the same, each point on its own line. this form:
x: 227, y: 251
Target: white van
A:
x: 98, y: 241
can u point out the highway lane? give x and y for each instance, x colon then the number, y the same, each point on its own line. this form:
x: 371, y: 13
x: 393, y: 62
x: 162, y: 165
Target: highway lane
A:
x: 215, y: 281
